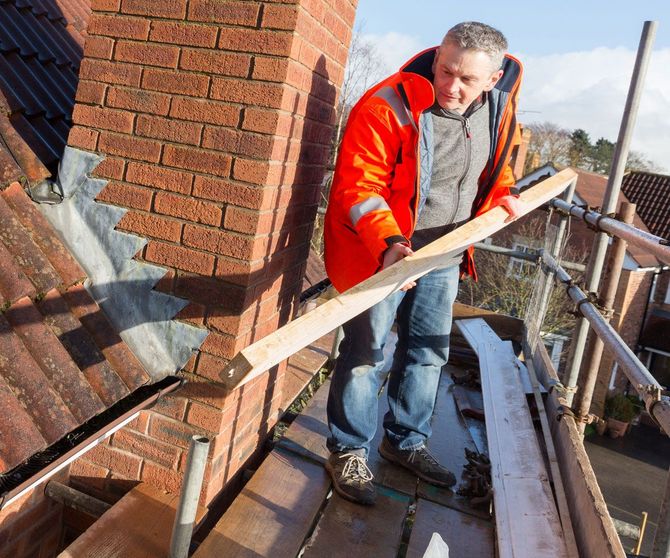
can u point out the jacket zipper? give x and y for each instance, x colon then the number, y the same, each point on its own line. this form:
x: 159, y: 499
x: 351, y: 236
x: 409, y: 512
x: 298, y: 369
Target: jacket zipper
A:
x: 466, y: 167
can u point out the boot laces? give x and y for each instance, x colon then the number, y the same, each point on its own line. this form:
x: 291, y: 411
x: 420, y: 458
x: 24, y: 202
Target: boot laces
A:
x: 426, y: 455
x: 356, y: 468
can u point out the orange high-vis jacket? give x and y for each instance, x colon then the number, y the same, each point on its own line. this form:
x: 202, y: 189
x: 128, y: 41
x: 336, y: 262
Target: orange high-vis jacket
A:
x: 374, y: 196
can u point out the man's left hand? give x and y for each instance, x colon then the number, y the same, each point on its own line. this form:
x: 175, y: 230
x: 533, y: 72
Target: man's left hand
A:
x: 514, y: 206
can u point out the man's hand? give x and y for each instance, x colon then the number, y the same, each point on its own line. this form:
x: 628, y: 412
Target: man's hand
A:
x: 395, y: 253
x: 514, y: 206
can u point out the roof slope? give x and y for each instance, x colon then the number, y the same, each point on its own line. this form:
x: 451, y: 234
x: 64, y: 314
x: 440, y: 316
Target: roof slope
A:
x: 651, y: 193
x: 41, y: 46
x: 61, y: 363
x: 591, y: 188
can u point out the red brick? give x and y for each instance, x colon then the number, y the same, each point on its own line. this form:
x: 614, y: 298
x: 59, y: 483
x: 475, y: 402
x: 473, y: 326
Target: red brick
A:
x: 240, y: 272
x: 140, y: 423
x: 173, y: 432
x: 270, y: 69
x: 110, y: 72
x: 189, y: 158
x: 187, y: 208
x: 179, y: 257
x: 126, y: 195
x: 208, y: 417
x: 121, y: 462
x: 83, y: 138
x: 223, y: 242
x: 91, y: 92
x: 159, y: 177
x: 214, y: 62
x: 148, y: 448
x: 247, y: 92
x: 105, y: 5
x: 138, y: 100
x: 118, y: 26
x: 224, y: 346
x: 262, y: 146
x: 256, y: 172
x: 103, y: 118
x: 169, y: 9
x: 226, y: 191
x: 193, y: 313
x: 187, y: 34
x: 98, y: 47
x: 246, y: 221
x: 168, y: 129
x: 266, y: 121
x: 149, y: 225
x: 160, y: 477
x: 110, y: 168
x: 260, y: 41
x: 231, y: 13
x: 212, y: 292
x: 147, y: 54
x: 210, y: 366
x: 198, y: 110
x: 221, y: 139
x: 280, y: 17
x: 129, y: 147
x: 195, y: 85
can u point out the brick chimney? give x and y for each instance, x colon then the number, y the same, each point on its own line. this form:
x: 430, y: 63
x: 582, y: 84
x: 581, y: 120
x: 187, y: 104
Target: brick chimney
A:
x: 214, y: 118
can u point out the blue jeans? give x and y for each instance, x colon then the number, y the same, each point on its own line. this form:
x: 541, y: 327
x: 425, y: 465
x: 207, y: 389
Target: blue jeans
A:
x: 423, y: 323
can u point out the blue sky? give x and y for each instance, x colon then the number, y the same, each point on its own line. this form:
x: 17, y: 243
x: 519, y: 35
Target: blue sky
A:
x: 578, y: 56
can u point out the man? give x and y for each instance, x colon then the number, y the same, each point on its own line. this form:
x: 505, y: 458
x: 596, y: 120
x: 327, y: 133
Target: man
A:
x: 424, y: 151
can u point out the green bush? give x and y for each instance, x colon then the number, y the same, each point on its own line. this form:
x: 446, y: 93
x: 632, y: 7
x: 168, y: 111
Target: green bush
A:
x: 620, y: 407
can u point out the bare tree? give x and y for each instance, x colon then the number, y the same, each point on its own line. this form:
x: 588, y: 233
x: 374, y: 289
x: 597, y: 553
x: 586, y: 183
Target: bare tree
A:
x: 365, y: 67
x: 506, y: 285
x: 549, y: 143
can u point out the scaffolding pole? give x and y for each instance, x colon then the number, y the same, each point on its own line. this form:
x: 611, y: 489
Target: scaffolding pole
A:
x: 600, y: 241
x: 655, y: 245
x: 649, y: 390
x: 590, y: 374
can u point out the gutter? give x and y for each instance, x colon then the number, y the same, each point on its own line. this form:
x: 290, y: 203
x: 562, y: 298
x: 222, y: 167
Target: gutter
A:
x: 169, y: 384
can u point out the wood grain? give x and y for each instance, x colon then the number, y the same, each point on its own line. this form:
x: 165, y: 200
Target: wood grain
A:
x: 274, y: 348
x: 273, y: 513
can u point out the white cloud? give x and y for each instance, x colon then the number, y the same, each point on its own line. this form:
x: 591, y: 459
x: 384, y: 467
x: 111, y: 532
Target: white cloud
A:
x: 578, y: 90
x: 394, y: 49
x: 588, y: 90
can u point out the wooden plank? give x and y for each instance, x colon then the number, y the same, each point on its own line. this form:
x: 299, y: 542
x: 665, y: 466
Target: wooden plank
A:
x: 271, y: 350
x: 464, y: 534
x: 594, y: 530
x: 563, y: 510
x: 273, y: 514
x: 139, y: 525
x: 347, y: 529
x: 308, y: 432
x: 527, y: 522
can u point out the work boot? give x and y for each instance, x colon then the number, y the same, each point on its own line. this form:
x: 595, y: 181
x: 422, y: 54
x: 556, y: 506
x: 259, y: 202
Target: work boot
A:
x: 351, y: 477
x: 420, y: 462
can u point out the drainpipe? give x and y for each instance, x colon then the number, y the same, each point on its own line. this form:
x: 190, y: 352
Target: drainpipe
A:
x: 190, y: 495
x: 611, y: 194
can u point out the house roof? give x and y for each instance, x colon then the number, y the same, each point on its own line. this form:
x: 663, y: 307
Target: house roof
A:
x: 651, y: 193
x: 591, y: 188
x: 61, y: 362
x: 41, y: 45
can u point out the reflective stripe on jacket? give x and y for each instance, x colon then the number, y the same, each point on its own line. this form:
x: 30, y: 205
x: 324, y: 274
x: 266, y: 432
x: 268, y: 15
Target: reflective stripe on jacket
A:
x: 374, y: 196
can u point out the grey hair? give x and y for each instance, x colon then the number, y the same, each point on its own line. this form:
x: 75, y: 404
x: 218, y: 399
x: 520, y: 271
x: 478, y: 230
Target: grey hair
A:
x: 472, y: 35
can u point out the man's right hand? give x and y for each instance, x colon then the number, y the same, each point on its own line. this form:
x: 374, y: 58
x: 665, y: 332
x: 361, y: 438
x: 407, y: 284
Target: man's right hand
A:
x: 395, y: 253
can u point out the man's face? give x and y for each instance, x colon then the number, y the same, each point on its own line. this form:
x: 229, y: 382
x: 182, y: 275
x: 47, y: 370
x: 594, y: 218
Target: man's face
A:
x: 461, y: 76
